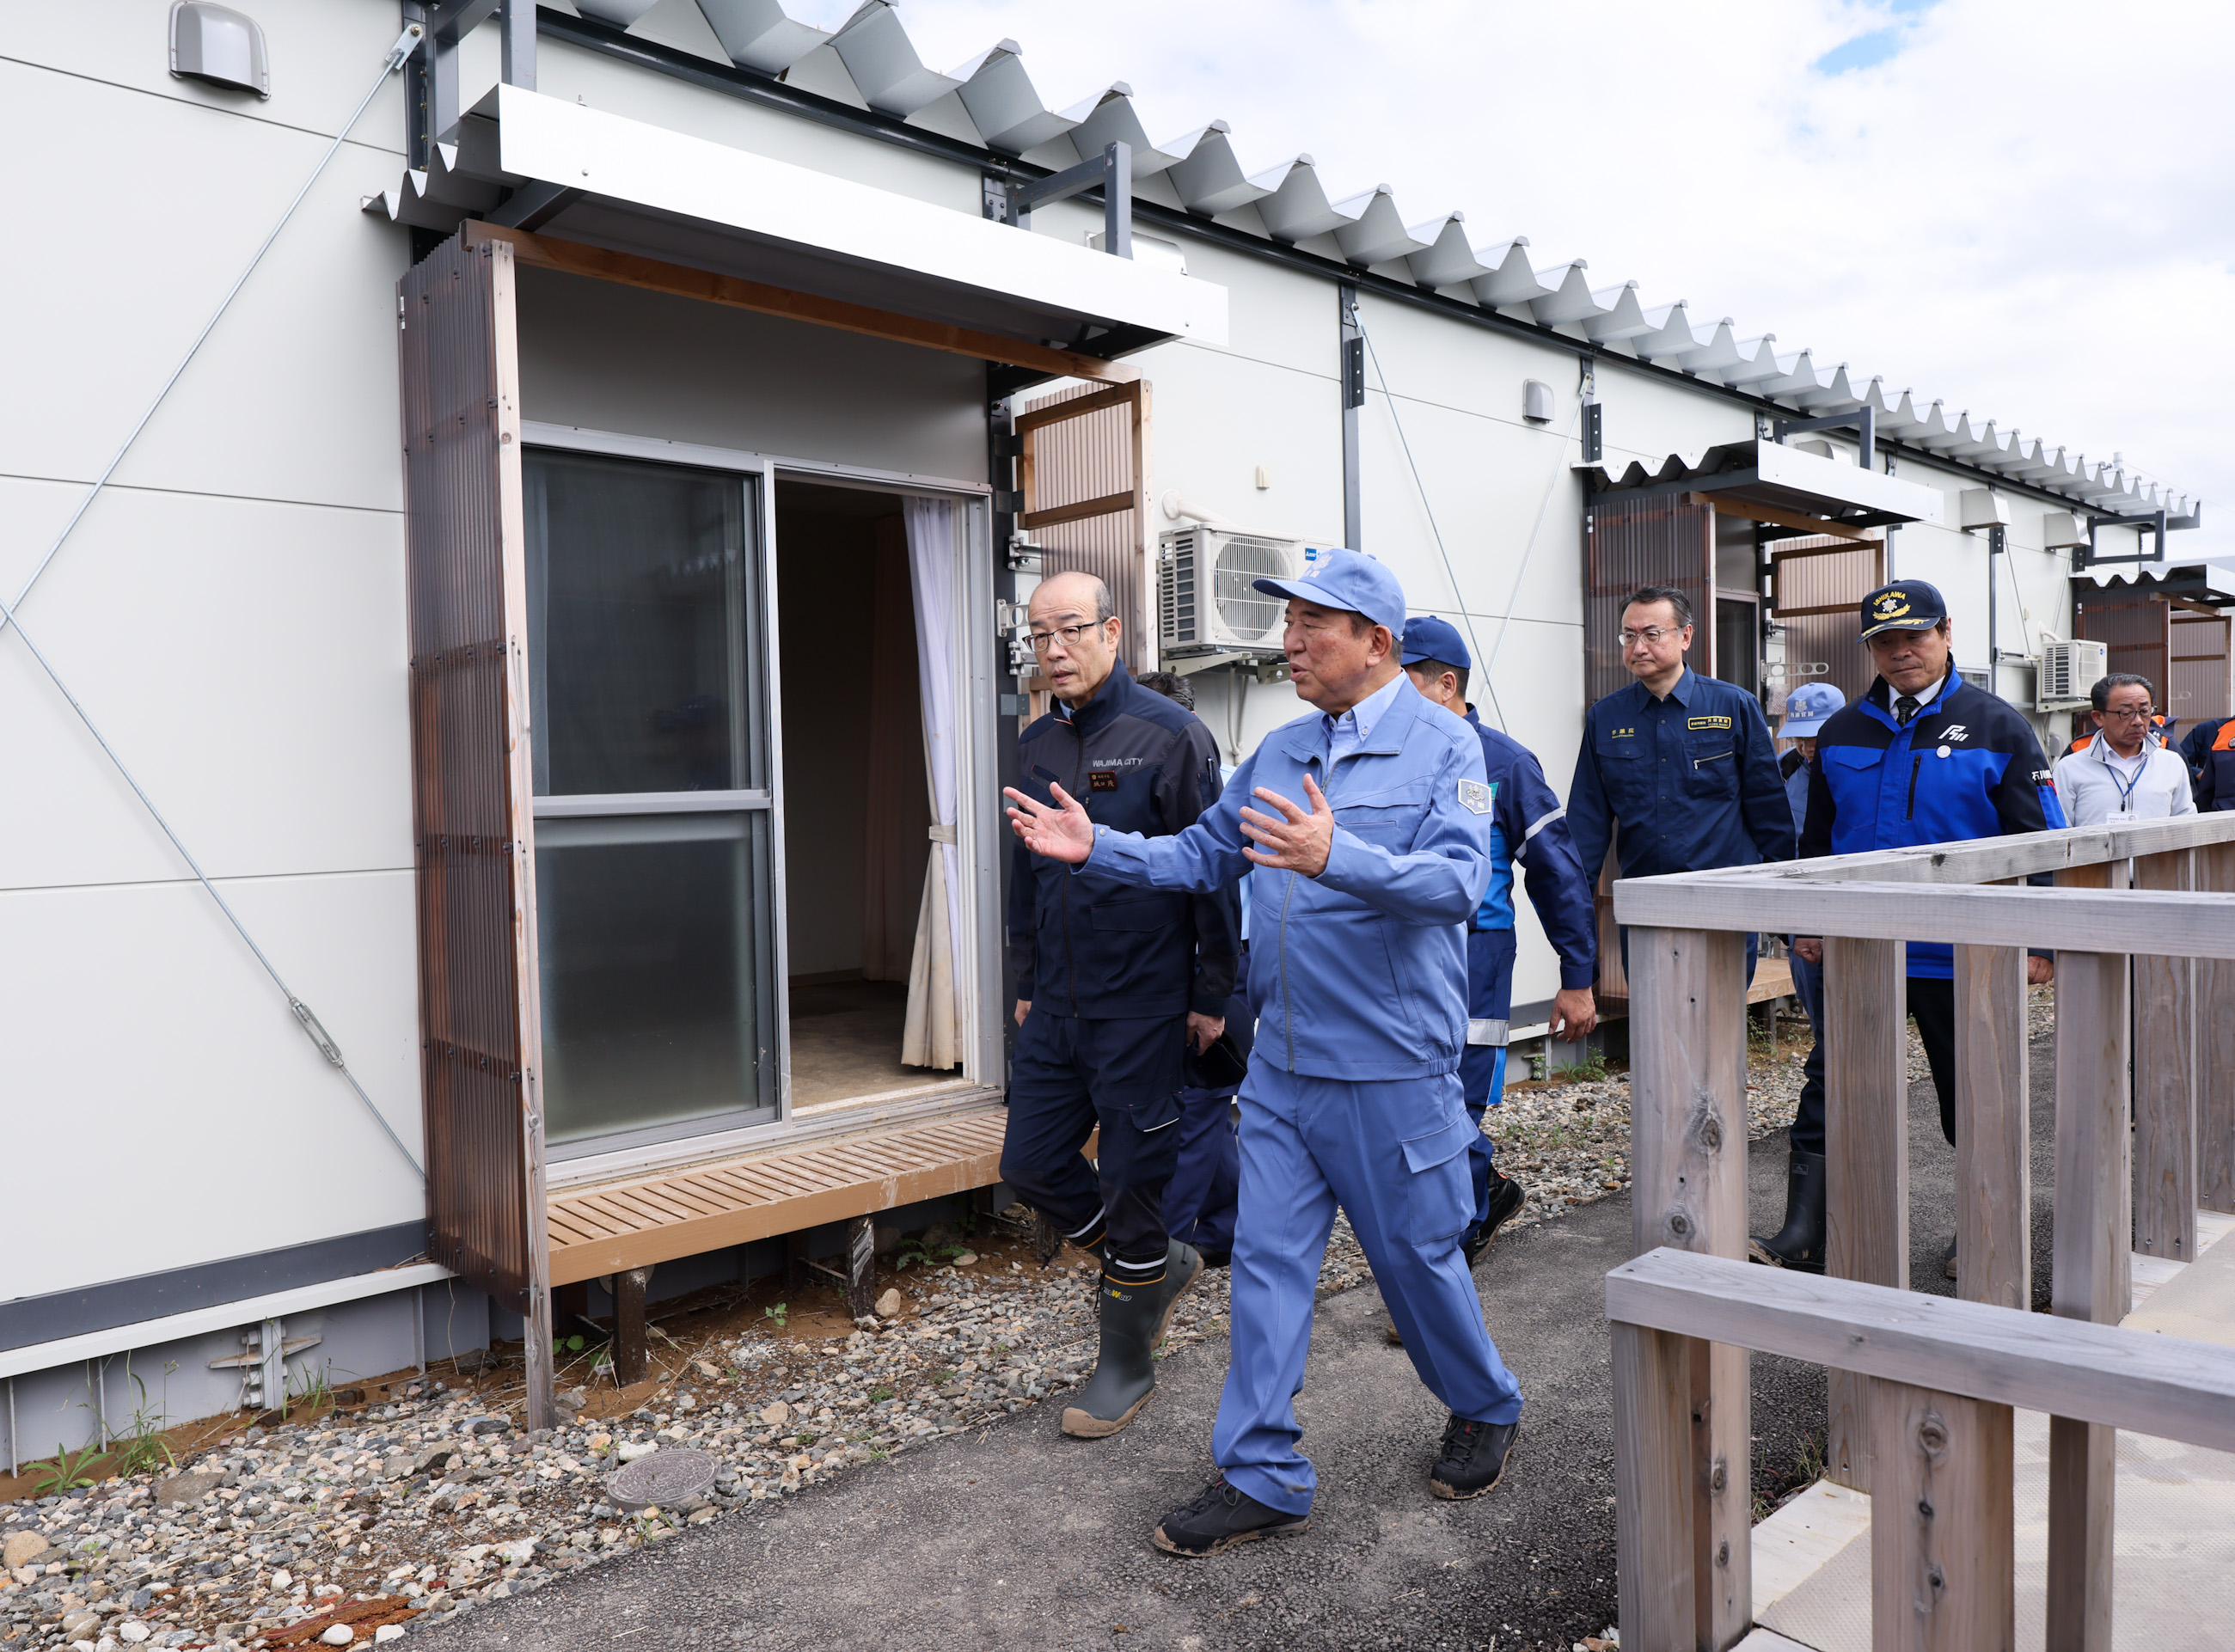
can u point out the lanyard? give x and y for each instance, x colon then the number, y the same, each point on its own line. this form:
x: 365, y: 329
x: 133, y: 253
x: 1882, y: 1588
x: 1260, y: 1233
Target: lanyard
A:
x: 2126, y: 787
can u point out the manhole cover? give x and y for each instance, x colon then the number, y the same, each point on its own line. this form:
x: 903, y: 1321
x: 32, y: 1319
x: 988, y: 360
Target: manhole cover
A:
x: 664, y: 1478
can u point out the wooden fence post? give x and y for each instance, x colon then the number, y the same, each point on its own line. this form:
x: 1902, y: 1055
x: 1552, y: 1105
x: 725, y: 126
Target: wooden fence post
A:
x: 2215, y: 1049
x: 2089, y: 1279
x: 1943, y: 1529
x: 2165, y: 1082
x: 1655, y: 1566
x: 630, y: 1355
x: 1689, y: 1190
x: 1994, y: 1166
x: 1866, y: 1139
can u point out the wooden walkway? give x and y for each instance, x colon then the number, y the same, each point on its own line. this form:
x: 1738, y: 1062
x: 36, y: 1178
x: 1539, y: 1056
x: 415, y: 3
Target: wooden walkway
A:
x: 609, y: 1227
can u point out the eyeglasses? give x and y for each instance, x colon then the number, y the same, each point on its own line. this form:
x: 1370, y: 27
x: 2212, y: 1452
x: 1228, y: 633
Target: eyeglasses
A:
x: 1651, y: 636
x: 2143, y: 715
x: 1043, y: 641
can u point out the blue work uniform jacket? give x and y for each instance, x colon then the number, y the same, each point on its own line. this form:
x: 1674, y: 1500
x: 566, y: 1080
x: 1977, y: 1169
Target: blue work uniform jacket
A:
x: 2210, y: 751
x: 1091, y: 946
x: 1967, y: 766
x: 1358, y: 973
x: 1527, y: 823
x: 1690, y: 781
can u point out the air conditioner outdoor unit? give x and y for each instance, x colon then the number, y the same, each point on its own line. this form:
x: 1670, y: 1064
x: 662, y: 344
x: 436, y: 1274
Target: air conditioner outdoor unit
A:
x: 2067, y: 671
x: 1207, y: 598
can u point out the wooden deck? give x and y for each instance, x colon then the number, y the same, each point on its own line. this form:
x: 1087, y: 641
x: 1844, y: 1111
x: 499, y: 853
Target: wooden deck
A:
x: 634, y: 1223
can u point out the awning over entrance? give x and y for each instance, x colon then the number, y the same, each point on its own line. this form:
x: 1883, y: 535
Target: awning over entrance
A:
x: 1785, y: 486
x: 588, y: 176
x: 2205, y: 584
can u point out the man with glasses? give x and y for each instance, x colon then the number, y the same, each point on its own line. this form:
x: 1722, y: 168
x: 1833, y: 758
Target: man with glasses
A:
x: 2122, y: 773
x: 1922, y: 757
x: 1677, y: 770
x: 1114, y: 983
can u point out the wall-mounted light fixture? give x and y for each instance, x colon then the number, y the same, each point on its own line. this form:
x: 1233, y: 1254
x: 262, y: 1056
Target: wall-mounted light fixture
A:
x: 217, y: 45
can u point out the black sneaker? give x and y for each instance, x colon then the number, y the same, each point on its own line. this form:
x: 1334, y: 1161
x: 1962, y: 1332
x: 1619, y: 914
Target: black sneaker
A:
x: 1473, y: 1458
x: 1948, y: 1262
x: 1223, y: 1515
x: 1505, y: 1202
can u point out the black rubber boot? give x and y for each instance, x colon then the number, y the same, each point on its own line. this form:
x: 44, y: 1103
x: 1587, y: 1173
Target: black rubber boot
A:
x: 1134, y: 1319
x: 1800, y: 1243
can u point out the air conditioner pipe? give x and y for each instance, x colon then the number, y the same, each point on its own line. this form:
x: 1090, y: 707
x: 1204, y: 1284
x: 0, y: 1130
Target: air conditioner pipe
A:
x: 1175, y: 507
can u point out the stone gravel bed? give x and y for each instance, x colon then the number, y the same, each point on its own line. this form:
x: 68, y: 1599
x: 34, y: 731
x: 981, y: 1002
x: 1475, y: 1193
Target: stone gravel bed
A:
x: 416, y: 1508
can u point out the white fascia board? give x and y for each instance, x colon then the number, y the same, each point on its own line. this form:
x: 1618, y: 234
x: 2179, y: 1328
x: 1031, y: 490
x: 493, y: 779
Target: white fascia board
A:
x: 1849, y: 484
x: 174, y: 1328
x: 558, y: 143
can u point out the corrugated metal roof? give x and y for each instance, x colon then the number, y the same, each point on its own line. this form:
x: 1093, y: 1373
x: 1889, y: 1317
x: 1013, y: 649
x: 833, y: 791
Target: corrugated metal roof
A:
x: 1292, y: 204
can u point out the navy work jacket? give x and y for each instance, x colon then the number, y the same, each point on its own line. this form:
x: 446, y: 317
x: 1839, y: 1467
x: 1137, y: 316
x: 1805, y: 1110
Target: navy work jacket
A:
x: 1092, y: 946
x: 1528, y: 825
x: 1967, y: 766
x: 1690, y: 781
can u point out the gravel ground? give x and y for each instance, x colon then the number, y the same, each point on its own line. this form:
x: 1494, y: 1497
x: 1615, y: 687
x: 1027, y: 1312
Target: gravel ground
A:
x: 414, y: 1509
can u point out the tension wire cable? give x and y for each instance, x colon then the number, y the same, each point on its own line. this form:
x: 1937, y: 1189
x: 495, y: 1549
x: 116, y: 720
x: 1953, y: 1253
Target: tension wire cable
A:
x: 9, y: 617
x: 1559, y: 456
x: 1420, y: 487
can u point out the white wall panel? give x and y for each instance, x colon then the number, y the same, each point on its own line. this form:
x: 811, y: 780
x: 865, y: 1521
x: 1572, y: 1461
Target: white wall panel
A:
x: 609, y: 357
x: 1217, y: 416
x: 294, y: 395
x: 246, y: 659
x: 323, y: 55
x: 1650, y: 418
x: 141, y: 1037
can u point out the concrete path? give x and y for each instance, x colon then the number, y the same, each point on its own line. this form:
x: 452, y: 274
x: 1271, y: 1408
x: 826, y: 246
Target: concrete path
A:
x: 1021, y: 1538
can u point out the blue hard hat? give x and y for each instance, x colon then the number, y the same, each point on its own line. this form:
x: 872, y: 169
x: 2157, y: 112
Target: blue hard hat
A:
x: 1906, y: 604
x: 1335, y: 578
x: 1428, y: 638
x: 1807, y: 708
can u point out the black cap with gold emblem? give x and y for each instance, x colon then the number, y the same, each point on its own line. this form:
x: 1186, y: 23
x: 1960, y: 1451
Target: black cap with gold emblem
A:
x: 1906, y: 604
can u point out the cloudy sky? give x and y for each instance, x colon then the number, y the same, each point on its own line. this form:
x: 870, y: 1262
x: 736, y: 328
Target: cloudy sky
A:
x: 2027, y: 210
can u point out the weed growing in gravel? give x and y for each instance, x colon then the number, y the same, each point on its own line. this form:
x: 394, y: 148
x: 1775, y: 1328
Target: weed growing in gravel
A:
x: 779, y: 1311
x: 140, y: 1444
x: 67, y: 1473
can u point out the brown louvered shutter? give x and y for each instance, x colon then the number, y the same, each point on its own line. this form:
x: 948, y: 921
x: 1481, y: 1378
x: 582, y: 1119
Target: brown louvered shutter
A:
x: 1816, y: 586
x: 2138, y: 638
x: 472, y: 782
x: 2200, y: 689
x: 1084, y: 474
x: 1628, y: 543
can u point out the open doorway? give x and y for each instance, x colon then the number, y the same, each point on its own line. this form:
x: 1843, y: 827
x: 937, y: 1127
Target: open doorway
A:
x: 856, y: 805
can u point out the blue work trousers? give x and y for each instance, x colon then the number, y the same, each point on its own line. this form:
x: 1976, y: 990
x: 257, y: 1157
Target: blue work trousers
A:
x: 1393, y: 1157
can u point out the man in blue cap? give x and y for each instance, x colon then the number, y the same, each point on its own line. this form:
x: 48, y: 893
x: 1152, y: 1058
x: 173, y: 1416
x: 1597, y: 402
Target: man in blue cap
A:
x: 1677, y: 770
x: 1368, y: 823
x: 1923, y: 757
x: 1526, y: 822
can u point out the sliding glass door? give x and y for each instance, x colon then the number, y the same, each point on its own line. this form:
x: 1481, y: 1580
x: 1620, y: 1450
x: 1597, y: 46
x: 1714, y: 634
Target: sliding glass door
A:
x: 655, y: 888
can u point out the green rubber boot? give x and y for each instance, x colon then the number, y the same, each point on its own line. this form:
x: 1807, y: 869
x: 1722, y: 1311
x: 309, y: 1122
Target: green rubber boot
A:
x: 1134, y: 1319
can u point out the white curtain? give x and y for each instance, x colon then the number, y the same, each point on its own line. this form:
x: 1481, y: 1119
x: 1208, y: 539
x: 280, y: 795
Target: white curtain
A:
x: 933, y: 1035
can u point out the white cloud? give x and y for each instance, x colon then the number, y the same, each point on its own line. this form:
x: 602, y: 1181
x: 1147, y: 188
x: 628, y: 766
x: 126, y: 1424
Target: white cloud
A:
x: 2024, y: 211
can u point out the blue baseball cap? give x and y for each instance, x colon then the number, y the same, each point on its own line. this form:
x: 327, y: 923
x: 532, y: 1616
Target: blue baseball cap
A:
x: 1807, y: 708
x: 1335, y: 578
x: 1906, y: 604
x: 1428, y: 638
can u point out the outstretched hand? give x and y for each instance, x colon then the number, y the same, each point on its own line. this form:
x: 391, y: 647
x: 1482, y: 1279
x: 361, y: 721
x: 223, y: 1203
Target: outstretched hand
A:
x: 1294, y: 841
x: 1063, y: 833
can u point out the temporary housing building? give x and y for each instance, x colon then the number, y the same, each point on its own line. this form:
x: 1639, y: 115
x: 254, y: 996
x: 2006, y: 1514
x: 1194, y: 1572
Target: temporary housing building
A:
x: 503, y: 779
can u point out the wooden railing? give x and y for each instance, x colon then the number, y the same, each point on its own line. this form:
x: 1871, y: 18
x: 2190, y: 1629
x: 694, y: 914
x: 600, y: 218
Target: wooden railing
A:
x: 2151, y: 903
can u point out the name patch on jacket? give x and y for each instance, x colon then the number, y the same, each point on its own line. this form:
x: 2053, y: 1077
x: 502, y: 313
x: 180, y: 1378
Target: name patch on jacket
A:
x: 1708, y: 723
x: 1475, y: 796
x: 1102, y: 780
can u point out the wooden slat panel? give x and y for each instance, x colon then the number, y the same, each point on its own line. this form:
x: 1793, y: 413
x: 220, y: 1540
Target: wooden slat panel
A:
x: 2165, y: 1082
x: 1867, y: 1131
x: 2215, y: 1049
x: 1633, y: 542
x: 1688, y: 1088
x: 1943, y: 1529
x: 1994, y: 1164
x: 1084, y: 472
x: 708, y: 1207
